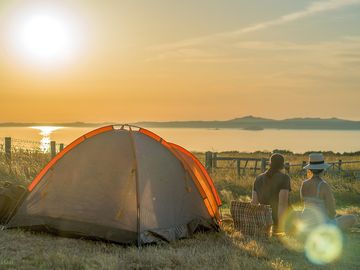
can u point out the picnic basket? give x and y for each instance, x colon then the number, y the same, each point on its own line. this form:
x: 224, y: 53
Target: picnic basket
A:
x: 251, y: 219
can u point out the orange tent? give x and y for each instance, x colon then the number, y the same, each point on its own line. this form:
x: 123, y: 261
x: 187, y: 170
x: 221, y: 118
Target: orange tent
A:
x: 123, y: 184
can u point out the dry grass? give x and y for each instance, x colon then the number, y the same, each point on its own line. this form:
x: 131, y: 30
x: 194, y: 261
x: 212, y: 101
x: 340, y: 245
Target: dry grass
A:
x: 346, y: 191
x: 227, y: 249
x: 23, y: 167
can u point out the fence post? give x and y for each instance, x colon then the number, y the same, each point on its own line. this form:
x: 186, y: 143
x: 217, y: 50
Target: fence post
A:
x: 208, y: 161
x: 238, y: 172
x: 339, y: 165
x: 263, y: 164
x: 255, y: 166
x: 287, y: 167
x: 214, y: 160
x: 53, y: 149
x: 8, y: 148
x: 61, y: 147
x: 302, y: 170
x: 303, y: 164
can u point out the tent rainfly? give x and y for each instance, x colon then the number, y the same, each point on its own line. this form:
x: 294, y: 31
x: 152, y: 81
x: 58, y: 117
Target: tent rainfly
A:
x: 122, y: 184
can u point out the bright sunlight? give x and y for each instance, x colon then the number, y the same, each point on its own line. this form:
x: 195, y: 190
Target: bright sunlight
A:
x: 45, y: 37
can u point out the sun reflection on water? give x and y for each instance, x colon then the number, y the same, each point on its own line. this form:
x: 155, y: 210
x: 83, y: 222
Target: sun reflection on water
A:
x: 45, y: 132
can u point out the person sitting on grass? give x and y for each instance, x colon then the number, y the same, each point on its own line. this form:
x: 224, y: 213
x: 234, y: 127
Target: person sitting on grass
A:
x: 319, y: 202
x: 272, y: 188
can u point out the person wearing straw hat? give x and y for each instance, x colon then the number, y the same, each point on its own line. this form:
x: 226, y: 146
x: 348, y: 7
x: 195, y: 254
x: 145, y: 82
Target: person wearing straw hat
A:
x: 319, y: 201
x: 272, y: 188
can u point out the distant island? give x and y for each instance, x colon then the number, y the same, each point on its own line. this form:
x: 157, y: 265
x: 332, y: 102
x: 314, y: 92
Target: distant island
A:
x: 246, y: 123
x: 258, y: 123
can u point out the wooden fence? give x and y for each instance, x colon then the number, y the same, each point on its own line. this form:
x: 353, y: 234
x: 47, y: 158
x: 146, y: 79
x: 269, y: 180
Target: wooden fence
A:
x: 243, y: 164
x: 257, y: 165
x: 8, y: 146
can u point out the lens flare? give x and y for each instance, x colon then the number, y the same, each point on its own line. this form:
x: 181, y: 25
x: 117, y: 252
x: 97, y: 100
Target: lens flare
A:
x: 297, y: 225
x: 309, y: 231
x: 324, y: 244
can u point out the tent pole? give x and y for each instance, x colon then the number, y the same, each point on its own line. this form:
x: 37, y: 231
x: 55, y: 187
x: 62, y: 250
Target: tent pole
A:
x: 137, y: 187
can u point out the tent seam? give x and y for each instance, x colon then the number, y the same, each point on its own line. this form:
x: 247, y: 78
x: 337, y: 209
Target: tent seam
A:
x: 137, y: 186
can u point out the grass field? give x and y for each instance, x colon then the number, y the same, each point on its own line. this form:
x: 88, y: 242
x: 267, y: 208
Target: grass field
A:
x: 224, y: 250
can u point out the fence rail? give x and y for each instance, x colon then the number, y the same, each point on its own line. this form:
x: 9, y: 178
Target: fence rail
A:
x: 212, y: 159
x: 255, y: 165
x: 9, y: 144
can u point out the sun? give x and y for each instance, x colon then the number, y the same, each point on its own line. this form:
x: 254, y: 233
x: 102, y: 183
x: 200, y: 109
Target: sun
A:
x: 44, y: 36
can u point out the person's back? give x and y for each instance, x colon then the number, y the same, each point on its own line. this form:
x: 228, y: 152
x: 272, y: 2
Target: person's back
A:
x: 268, y: 190
x: 272, y: 188
x: 319, y: 202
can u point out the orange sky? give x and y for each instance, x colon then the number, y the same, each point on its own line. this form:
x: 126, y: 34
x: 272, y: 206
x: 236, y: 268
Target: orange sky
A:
x: 133, y: 61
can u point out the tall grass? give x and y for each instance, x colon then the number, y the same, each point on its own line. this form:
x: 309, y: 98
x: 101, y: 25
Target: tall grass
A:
x: 23, y: 166
x: 232, y: 186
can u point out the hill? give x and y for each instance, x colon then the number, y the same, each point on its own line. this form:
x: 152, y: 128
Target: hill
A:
x: 246, y: 122
x: 257, y: 123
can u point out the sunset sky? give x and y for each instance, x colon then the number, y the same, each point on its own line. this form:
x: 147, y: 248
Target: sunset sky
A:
x: 161, y: 60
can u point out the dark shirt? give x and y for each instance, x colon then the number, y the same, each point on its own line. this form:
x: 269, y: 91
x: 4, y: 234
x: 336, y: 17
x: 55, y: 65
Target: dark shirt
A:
x: 268, y: 189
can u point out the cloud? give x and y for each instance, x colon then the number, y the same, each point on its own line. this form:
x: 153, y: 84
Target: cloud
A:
x: 196, y: 55
x: 311, y: 10
x: 335, y: 52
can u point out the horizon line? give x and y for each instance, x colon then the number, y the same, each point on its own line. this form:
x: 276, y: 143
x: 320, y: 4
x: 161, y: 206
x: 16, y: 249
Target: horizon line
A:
x: 164, y: 121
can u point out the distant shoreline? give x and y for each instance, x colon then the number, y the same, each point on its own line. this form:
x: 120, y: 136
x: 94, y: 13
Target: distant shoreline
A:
x: 250, y: 123
x: 55, y: 124
x: 173, y: 127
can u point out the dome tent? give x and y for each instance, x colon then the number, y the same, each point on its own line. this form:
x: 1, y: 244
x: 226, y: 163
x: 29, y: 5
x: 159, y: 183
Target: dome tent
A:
x: 122, y: 184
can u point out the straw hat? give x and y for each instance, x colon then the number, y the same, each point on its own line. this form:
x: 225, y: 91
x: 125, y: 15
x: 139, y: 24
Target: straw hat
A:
x: 317, y: 162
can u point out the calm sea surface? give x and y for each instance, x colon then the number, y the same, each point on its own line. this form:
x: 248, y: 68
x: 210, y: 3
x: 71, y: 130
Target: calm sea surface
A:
x: 215, y: 140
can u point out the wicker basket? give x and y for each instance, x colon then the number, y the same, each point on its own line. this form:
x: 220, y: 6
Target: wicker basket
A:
x: 250, y: 219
